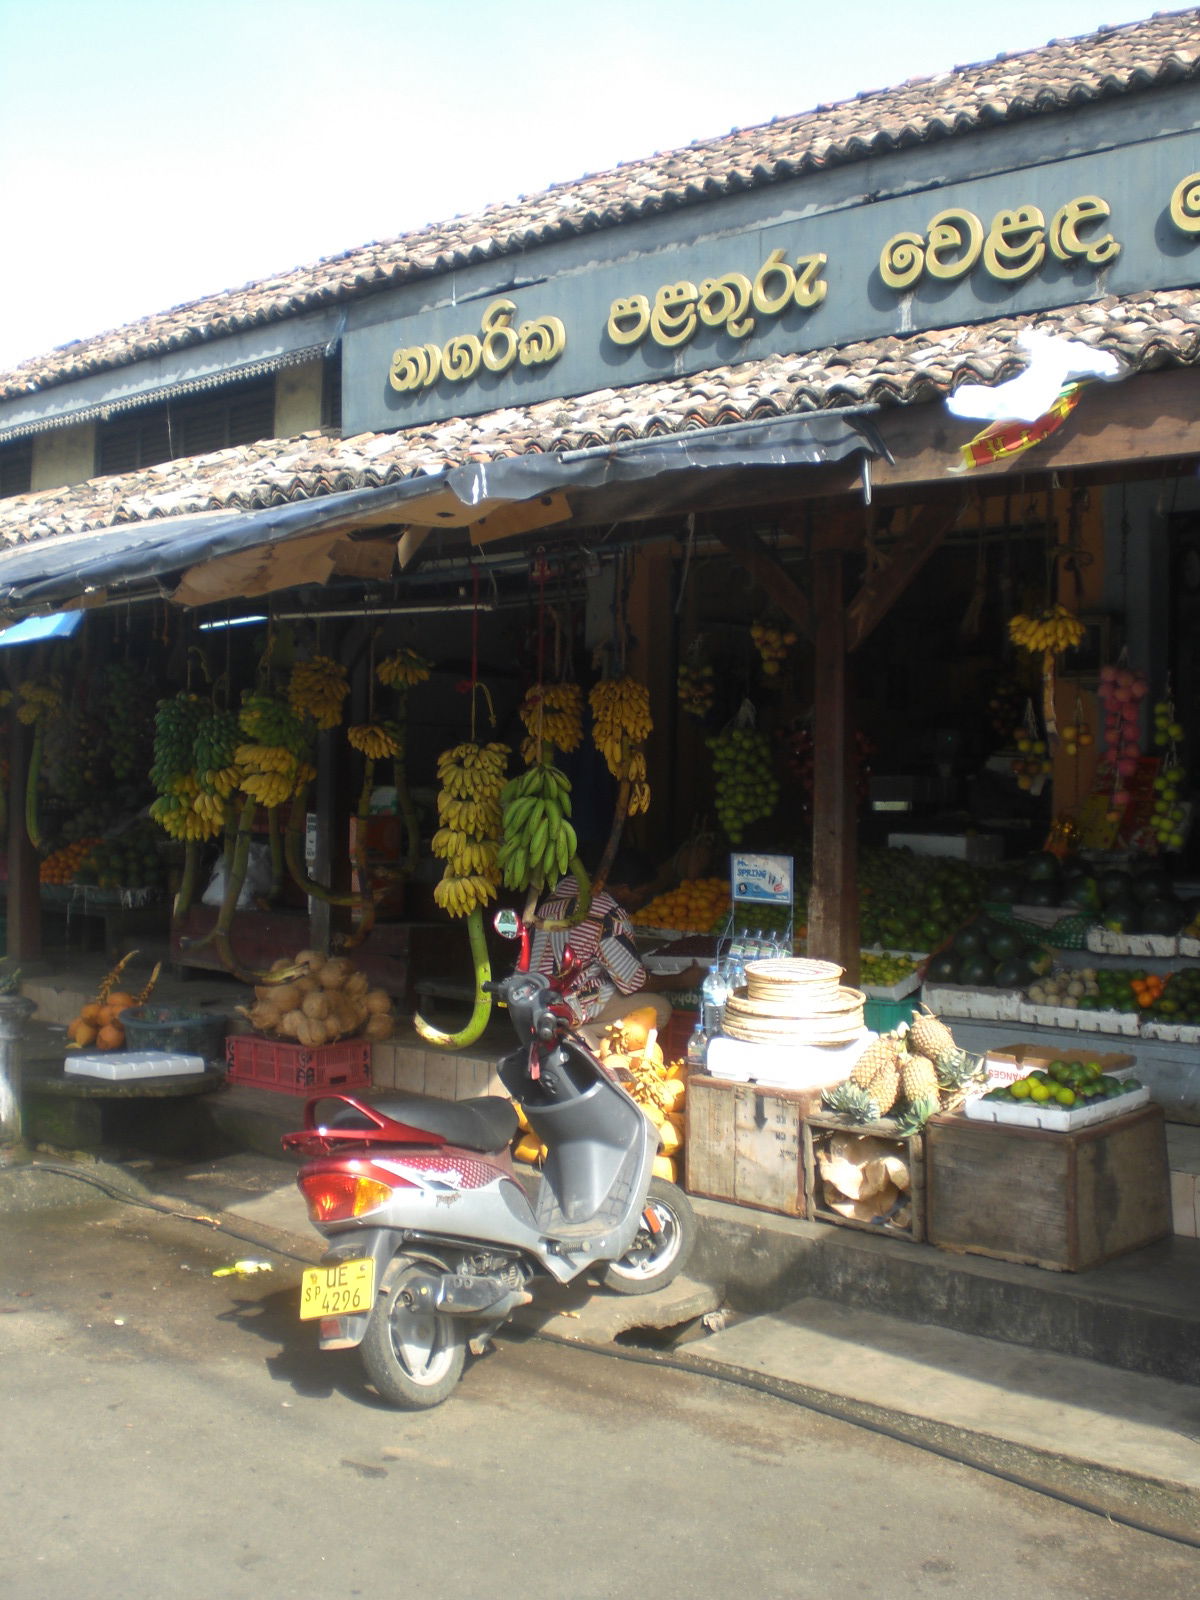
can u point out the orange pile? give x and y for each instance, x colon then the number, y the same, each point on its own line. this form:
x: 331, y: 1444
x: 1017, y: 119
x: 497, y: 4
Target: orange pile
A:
x: 62, y: 865
x: 698, y: 905
x: 1147, y: 990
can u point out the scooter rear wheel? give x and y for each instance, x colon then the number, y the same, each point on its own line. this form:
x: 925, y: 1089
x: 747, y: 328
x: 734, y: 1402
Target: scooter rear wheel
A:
x: 414, y: 1358
x: 656, y: 1258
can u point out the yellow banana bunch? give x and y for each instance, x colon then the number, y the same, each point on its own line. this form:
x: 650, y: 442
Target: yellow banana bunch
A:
x: 265, y: 757
x: 318, y: 688
x: 539, y: 840
x: 176, y: 816
x: 406, y: 667
x: 1053, y: 632
x: 460, y: 896
x: 472, y: 777
x: 220, y: 781
x: 377, y: 739
x: 621, y: 721
x: 472, y: 771
x: 39, y: 700
x: 553, y: 715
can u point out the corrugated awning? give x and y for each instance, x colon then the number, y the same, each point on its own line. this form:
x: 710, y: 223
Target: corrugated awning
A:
x: 224, y: 555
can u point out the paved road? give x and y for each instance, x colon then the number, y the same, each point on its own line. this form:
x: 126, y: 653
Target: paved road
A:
x: 171, y: 1434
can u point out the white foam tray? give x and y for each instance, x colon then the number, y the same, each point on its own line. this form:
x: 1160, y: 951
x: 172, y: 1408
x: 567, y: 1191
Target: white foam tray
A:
x: 1103, y: 941
x: 983, y: 1005
x: 779, y: 1066
x: 897, y: 991
x: 1060, y: 1119
x: 120, y: 1066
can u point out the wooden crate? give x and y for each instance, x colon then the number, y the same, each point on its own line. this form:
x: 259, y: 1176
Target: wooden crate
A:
x: 1066, y: 1201
x: 817, y: 1130
x: 743, y: 1143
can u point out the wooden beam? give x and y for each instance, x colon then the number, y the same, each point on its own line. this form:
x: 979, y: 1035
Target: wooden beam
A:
x: 833, y: 901
x: 750, y: 552
x: 883, y: 587
x: 1155, y: 417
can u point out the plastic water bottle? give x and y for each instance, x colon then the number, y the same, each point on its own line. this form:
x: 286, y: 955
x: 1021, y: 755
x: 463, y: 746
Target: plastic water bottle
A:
x: 697, y: 1049
x: 713, y: 995
x: 734, y: 971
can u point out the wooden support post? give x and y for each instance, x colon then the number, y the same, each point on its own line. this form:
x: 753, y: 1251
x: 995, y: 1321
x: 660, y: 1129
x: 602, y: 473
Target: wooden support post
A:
x: 833, y: 903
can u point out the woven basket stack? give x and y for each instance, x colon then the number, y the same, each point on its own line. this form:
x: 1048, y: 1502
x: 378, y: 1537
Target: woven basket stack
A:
x: 795, y: 1001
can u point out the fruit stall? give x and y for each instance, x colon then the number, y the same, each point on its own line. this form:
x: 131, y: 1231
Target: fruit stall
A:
x: 1052, y: 1157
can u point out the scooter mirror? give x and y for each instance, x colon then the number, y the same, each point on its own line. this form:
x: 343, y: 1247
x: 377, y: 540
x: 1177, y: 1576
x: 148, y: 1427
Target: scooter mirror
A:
x: 507, y: 924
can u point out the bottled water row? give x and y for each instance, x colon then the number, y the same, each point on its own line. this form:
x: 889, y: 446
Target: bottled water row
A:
x: 726, y: 977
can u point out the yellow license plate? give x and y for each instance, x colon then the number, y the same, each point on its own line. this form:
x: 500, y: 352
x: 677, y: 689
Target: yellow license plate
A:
x: 337, y: 1290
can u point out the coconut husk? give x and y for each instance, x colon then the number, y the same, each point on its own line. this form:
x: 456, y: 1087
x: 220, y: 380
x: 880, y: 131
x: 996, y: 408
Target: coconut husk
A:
x: 867, y: 1210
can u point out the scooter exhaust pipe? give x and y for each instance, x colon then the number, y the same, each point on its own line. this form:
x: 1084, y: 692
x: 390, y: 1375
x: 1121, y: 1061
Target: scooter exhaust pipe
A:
x: 462, y: 1294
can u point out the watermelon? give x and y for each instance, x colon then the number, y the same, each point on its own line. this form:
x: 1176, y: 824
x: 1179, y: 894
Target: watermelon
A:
x: 1042, y: 867
x: 976, y: 971
x: 942, y: 969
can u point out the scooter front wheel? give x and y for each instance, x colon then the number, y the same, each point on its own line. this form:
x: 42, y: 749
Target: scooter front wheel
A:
x: 660, y: 1252
x: 414, y: 1358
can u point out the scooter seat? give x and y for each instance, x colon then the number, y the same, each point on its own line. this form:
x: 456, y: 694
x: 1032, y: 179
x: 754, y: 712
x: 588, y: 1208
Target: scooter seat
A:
x: 486, y: 1123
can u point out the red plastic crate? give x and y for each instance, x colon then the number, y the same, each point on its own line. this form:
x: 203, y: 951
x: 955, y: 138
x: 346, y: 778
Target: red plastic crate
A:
x: 295, y: 1068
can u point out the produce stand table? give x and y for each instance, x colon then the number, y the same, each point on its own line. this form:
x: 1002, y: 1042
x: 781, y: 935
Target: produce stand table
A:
x: 1066, y: 1201
x: 84, y: 1113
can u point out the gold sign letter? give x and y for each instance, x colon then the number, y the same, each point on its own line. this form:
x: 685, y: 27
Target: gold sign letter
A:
x: 1064, y: 232
x: 810, y: 290
x: 1016, y: 243
x: 724, y: 303
x: 774, y: 270
x: 499, y: 343
x: 673, y: 320
x: 1185, y: 204
x: 629, y: 320
x: 541, y: 341
x: 415, y: 368
x: 902, y: 260
x: 952, y: 231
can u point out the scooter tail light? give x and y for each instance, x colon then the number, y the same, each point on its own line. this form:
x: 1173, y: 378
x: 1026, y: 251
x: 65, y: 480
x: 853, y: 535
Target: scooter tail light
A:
x: 342, y: 1196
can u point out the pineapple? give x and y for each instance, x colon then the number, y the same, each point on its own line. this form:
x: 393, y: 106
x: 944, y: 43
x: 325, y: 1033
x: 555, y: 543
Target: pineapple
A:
x: 879, y: 1053
x: 920, y: 1080
x: 915, y: 1115
x: 848, y: 1100
x: 929, y: 1037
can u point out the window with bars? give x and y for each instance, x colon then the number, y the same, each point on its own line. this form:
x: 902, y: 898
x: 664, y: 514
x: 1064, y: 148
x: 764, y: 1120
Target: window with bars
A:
x: 191, y: 426
x: 16, y: 467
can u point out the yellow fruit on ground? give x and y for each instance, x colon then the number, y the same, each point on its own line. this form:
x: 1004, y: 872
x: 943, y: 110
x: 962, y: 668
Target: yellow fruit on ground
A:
x: 528, y: 1148
x: 82, y: 1033
x: 665, y: 1167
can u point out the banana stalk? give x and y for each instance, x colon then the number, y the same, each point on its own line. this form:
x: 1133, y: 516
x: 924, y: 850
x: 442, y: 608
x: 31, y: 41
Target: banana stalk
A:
x: 582, y: 905
x: 366, y: 920
x: 483, y: 1001
x: 33, y: 826
x: 187, y: 883
x: 293, y: 851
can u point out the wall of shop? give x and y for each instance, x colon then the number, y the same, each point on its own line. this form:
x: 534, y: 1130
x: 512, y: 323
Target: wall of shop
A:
x: 299, y: 393
x: 63, y: 456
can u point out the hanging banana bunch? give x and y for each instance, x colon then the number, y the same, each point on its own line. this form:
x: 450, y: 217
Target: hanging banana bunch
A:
x: 553, y: 715
x: 621, y: 723
x: 38, y: 705
x: 1053, y: 633
x: 273, y: 760
x: 539, y: 839
x: 173, y: 772
x: 318, y: 688
x: 377, y: 740
x: 472, y: 779
x: 403, y: 669
x: 1056, y: 630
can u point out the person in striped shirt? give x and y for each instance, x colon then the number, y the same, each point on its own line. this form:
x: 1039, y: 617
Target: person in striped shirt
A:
x: 613, y: 980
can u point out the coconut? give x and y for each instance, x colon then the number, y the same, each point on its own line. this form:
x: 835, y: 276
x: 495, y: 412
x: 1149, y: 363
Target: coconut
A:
x: 290, y: 1023
x: 357, y: 983
x: 378, y: 1027
x: 378, y: 1002
x: 315, y: 1006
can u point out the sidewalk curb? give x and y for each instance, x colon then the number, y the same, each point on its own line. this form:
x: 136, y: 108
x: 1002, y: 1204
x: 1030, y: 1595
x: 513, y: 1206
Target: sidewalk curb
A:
x: 1157, y: 1506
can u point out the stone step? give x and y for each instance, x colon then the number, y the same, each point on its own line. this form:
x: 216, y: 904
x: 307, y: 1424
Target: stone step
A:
x: 1140, y: 1313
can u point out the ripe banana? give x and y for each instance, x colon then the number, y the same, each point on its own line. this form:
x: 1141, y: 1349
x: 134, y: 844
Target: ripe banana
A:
x: 1054, y: 631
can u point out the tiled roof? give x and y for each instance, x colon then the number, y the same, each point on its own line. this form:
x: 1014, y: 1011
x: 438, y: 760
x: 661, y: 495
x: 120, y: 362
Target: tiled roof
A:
x: 1146, y: 331
x: 1062, y: 75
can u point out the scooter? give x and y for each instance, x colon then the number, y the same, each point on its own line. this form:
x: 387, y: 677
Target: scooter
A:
x: 434, y: 1240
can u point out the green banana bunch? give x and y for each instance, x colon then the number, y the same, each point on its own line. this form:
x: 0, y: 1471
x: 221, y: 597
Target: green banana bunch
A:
x: 539, y: 840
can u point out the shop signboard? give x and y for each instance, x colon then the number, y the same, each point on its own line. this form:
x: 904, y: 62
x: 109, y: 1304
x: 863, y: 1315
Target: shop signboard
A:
x: 788, y: 267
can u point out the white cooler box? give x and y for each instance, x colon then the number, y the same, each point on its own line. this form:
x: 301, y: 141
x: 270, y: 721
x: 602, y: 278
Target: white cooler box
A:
x: 121, y: 1066
x: 785, y: 1066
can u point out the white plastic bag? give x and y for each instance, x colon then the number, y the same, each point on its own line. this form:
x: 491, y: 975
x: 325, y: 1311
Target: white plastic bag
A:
x: 257, y: 881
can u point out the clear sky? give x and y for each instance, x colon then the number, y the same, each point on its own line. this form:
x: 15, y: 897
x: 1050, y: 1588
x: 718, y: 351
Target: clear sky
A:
x: 153, y: 151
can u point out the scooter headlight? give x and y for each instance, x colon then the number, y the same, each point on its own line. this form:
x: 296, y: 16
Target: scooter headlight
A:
x: 341, y: 1196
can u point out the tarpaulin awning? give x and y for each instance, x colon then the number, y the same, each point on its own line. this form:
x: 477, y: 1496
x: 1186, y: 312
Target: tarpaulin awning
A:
x: 210, y: 556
